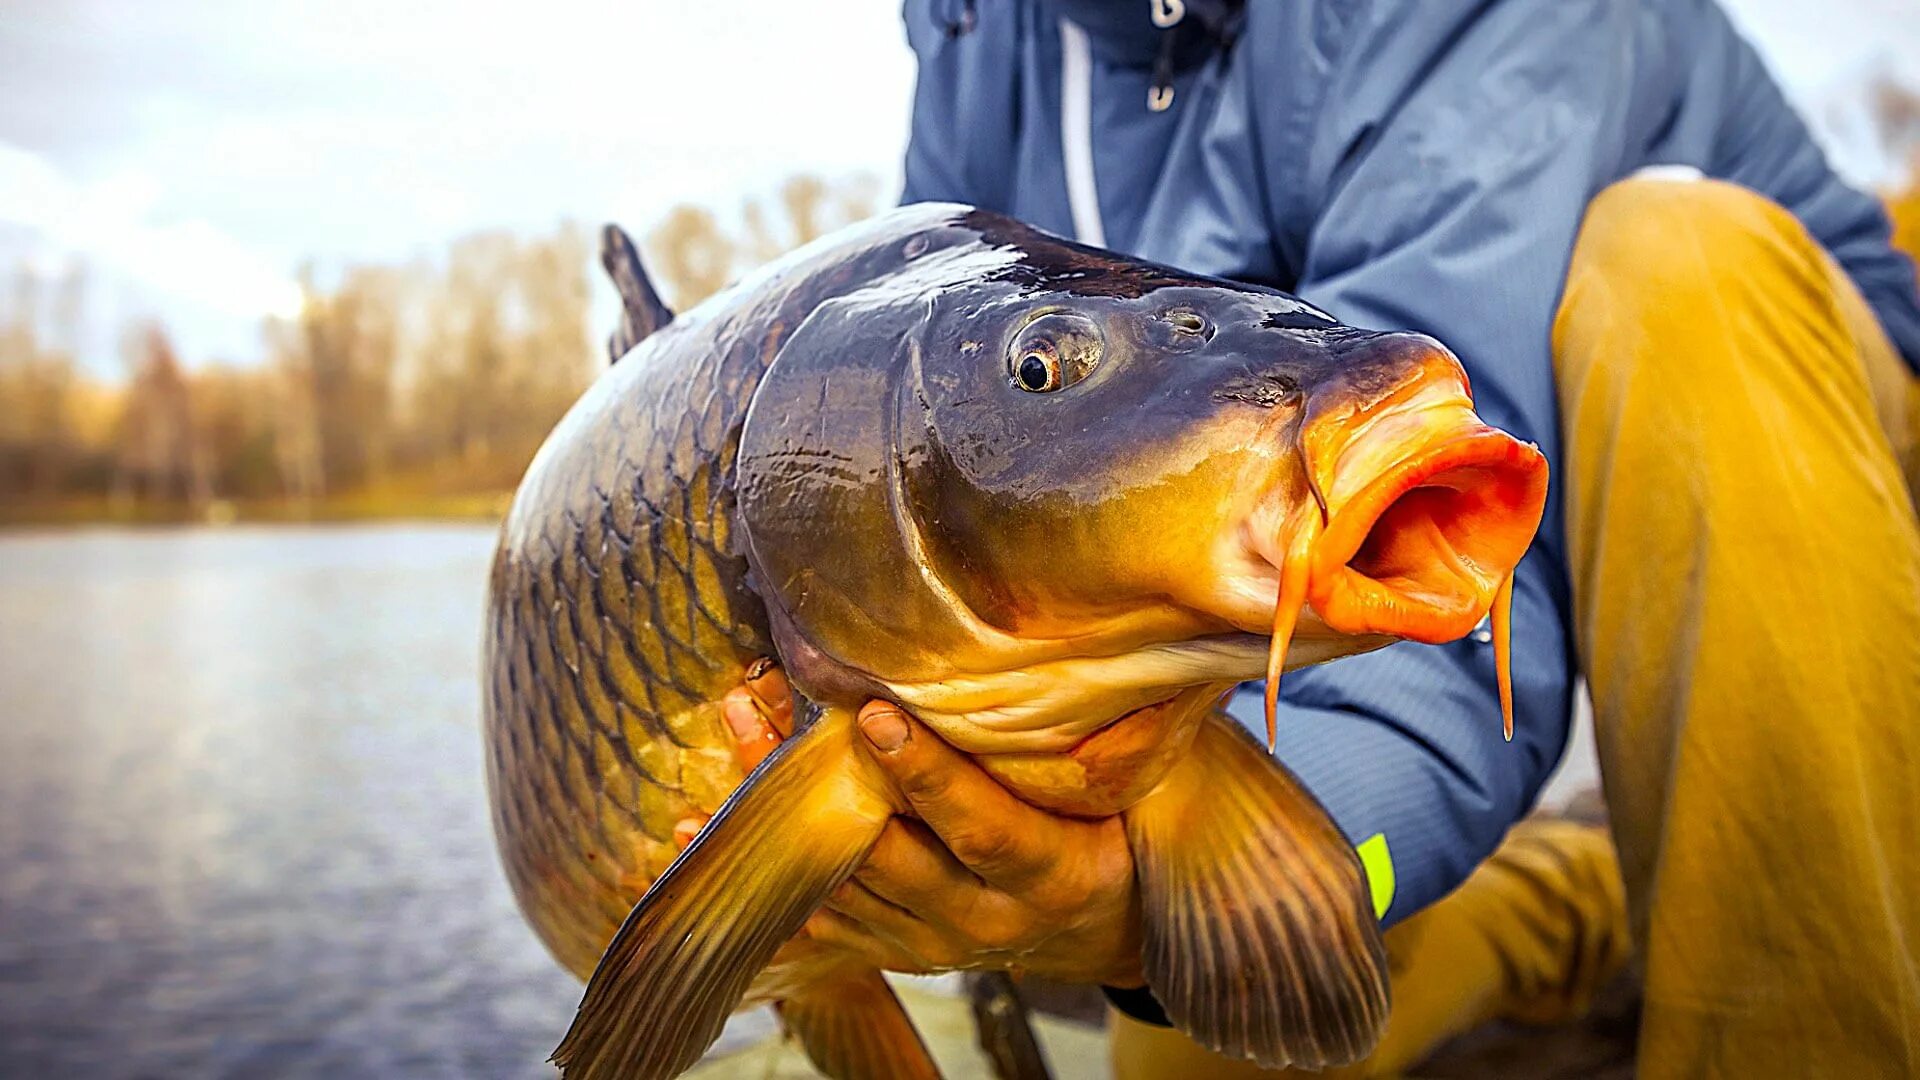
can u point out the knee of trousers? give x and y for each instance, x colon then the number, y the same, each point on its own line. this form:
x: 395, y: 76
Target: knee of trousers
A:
x: 1669, y: 276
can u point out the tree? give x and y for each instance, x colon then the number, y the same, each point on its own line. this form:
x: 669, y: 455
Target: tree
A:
x: 692, y: 256
x: 38, y: 384
x: 426, y: 378
x: 159, y: 453
x: 506, y: 350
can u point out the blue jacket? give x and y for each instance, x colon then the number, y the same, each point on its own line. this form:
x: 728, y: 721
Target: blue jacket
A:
x: 1404, y: 164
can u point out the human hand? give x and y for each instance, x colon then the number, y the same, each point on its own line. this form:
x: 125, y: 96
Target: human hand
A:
x: 981, y: 880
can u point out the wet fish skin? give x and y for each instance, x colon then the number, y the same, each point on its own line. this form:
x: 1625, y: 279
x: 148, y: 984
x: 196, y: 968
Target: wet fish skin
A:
x: 620, y: 607
x: 829, y: 464
x: 619, y: 613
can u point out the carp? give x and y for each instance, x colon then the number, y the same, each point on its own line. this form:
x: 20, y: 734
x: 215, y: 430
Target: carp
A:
x: 1055, y: 502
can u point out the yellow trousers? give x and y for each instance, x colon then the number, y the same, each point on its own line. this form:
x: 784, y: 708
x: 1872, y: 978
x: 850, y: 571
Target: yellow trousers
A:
x: 1740, y: 457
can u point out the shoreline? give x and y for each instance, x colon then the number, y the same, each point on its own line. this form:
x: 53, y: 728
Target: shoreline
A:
x: 487, y: 507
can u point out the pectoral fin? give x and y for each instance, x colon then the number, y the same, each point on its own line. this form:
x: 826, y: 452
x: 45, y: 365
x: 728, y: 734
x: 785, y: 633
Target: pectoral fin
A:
x: 689, y: 950
x: 856, y: 1029
x: 1261, y: 941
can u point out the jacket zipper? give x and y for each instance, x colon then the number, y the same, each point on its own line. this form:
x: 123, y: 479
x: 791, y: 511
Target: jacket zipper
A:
x: 1076, y: 134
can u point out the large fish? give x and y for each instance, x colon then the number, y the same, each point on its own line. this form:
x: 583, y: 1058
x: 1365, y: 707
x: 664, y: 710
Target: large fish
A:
x: 1054, y: 501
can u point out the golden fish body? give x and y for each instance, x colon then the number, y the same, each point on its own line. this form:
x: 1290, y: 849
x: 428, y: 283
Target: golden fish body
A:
x: 1051, y: 500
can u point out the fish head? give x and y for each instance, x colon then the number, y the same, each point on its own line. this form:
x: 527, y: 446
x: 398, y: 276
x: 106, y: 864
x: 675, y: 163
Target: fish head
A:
x: 1083, y: 485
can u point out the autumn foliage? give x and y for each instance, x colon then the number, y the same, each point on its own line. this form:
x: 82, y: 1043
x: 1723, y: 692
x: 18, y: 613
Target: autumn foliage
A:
x: 421, y: 388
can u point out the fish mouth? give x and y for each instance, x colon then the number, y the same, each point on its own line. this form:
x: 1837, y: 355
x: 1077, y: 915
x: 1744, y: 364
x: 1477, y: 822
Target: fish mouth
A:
x: 1421, y: 551
x: 1422, y: 514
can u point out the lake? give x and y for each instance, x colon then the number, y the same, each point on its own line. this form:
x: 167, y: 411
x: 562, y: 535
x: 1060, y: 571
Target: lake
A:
x: 243, y: 824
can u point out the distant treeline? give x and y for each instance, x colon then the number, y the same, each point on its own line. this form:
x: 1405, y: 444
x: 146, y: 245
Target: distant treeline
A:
x: 398, y: 390
x: 405, y: 389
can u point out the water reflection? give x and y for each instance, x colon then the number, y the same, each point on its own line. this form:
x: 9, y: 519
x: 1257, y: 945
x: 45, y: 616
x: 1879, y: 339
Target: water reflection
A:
x: 242, y: 829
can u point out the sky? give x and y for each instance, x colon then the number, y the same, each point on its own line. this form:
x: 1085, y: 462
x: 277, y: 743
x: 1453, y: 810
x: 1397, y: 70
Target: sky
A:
x: 195, y: 154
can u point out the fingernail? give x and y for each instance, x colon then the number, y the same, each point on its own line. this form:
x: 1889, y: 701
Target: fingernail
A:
x: 767, y: 684
x: 885, y: 729
x: 741, y: 716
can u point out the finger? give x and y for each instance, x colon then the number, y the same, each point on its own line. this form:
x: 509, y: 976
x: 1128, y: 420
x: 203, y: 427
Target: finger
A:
x: 902, y: 929
x: 753, y: 737
x: 911, y: 868
x: 998, y: 837
x: 686, y: 829
x: 862, y: 905
x: 768, y: 685
x: 829, y: 927
x: 951, y: 911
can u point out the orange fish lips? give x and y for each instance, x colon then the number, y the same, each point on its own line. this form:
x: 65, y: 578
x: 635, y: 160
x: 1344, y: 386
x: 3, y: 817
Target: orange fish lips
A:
x: 1422, y: 551
x: 1427, y: 511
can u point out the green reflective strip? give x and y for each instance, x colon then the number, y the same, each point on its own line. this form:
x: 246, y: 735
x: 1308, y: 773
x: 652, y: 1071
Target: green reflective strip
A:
x: 1378, y: 862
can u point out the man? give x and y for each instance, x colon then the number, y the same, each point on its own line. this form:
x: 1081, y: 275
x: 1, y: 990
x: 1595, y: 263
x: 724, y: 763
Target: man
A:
x: 1731, y: 558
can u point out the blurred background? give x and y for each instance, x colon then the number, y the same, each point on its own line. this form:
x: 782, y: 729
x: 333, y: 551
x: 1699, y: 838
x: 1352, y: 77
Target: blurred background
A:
x: 289, y: 294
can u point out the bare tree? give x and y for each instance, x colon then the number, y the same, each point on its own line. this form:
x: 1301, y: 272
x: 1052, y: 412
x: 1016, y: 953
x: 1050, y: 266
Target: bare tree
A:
x: 695, y: 256
x: 38, y: 384
x: 159, y: 452
x: 692, y: 254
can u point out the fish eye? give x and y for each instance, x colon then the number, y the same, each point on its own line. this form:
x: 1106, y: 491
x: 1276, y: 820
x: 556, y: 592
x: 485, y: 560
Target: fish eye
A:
x: 1038, y: 372
x: 1053, y: 352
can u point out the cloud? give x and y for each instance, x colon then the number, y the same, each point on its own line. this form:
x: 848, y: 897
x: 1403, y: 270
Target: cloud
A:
x: 254, y: 134
x: 112, y: 224
x: 272, y: 133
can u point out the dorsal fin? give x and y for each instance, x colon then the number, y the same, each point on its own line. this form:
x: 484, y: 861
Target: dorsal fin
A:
x: 642, y: 310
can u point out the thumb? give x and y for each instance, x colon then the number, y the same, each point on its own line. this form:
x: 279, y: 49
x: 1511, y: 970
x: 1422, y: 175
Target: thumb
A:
x: 921, y: 764
x: 986, y: 827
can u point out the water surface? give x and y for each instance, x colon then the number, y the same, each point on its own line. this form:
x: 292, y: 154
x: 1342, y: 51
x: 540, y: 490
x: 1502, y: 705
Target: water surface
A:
x: 243, y: 824
x: 243, y: 829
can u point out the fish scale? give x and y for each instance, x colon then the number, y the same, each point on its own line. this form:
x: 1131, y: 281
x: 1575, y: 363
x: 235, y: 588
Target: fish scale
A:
x: 620, y: 614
